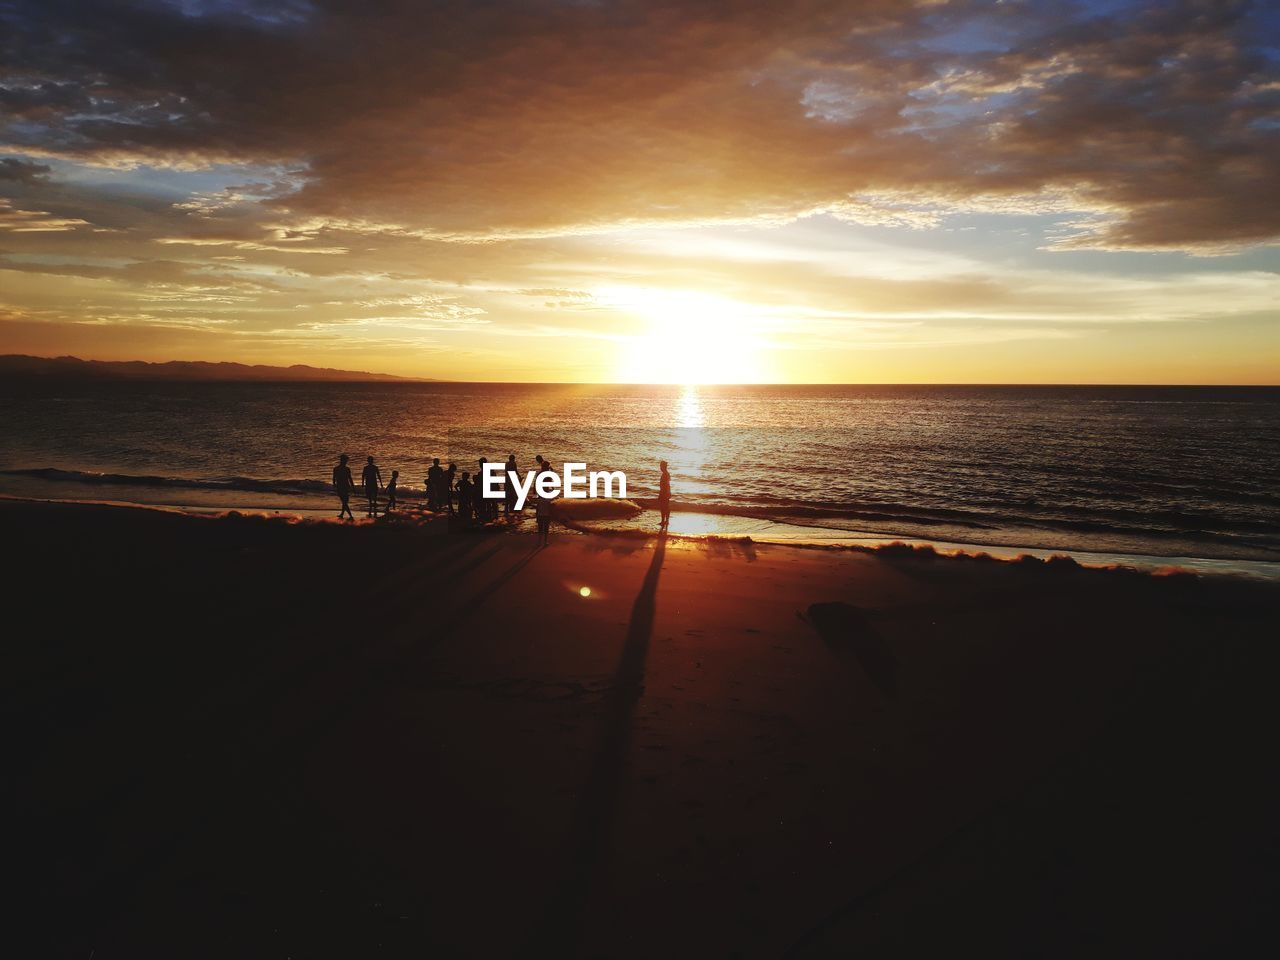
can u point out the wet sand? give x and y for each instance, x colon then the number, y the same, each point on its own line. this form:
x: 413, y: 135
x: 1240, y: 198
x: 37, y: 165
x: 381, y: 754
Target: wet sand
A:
x: 243, y: 737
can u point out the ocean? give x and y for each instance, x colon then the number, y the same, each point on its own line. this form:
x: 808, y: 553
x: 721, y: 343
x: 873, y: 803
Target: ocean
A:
x: 1158, y: 471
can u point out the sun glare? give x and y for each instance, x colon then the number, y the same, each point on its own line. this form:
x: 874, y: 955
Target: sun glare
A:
x: 692, y: 337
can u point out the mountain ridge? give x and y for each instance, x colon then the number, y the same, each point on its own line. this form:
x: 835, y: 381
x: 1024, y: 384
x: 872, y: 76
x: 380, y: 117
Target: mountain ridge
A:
x: 18, y: 364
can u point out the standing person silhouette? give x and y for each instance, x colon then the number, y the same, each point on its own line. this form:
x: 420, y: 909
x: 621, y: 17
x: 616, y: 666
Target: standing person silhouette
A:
x: 664, y: 495
x: 436, y: 497
x: 543, y: 513
x: 510, y: 488
x: 446, y: 486
x: 465, y: 491
x: 482, y: 502
x: 502, y: 496
x: 391, y: 490
x: 372, y: 478
x: 343, y: 484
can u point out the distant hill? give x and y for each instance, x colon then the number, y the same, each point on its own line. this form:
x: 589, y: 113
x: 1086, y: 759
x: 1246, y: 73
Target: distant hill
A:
x: 73, y: 368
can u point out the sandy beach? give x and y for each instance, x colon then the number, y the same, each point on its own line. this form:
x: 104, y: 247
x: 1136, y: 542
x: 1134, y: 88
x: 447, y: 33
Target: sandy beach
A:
x: 250, y: 737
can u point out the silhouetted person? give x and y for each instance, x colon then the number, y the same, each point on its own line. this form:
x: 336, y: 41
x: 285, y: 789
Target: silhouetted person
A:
x: 466, y: 494
x: 436, y: 495
x: 447, y: 488
x: 509, y: 486
x: 391, y: 490
x: 543, y: 513
x: 664, y: 496
x: 343, y: 484
x: 372, y: 479
x: 483, y: 503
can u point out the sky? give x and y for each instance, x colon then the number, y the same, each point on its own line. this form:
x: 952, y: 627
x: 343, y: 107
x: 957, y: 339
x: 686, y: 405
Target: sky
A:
x: 621, y: 191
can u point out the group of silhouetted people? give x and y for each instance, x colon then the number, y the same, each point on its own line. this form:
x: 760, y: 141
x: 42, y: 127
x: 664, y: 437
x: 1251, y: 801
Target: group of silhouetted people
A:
x: 463, y: 496
x: 370, y: 480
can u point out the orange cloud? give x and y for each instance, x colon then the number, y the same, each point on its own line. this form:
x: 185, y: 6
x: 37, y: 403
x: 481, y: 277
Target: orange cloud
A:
x: 466, y: 121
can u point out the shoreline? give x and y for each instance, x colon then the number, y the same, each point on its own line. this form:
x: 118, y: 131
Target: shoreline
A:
x: 785, y: 521
x: 1257, y: 570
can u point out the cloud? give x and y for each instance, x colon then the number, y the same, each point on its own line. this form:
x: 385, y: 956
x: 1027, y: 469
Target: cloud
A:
x: 1152, y: 128
x: 250, y: 245
x: 15, y: 220
x: 22, y: 171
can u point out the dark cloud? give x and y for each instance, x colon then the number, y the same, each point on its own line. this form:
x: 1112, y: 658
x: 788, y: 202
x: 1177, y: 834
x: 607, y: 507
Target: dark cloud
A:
x: 22, y: 171
x: 468, y: 120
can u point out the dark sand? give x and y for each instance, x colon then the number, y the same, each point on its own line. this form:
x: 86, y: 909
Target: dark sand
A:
x: 244, y: 738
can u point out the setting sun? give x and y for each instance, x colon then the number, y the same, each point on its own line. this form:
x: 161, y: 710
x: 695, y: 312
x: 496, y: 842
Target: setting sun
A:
x: 691, y: 337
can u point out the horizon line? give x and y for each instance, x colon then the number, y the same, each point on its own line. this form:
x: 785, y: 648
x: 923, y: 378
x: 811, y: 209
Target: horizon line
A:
x: 376, y: 377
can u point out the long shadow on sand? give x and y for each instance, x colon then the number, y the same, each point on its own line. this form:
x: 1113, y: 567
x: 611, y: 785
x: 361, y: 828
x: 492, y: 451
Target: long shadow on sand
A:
x: 587, y: 847
x: 846, y: 630
x: 364, y: 688
x: 470, y: 606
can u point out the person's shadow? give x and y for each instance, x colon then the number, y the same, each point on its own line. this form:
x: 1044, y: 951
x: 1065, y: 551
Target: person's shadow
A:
x: 589, y: 841
x: 848, y: 631
x: 630, y: 672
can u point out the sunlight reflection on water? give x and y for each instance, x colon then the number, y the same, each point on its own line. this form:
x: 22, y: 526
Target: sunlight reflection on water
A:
x: 690, y: 446
x: 689, y: 412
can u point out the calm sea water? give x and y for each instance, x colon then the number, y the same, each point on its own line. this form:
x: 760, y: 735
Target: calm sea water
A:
x: 1164, y: 471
